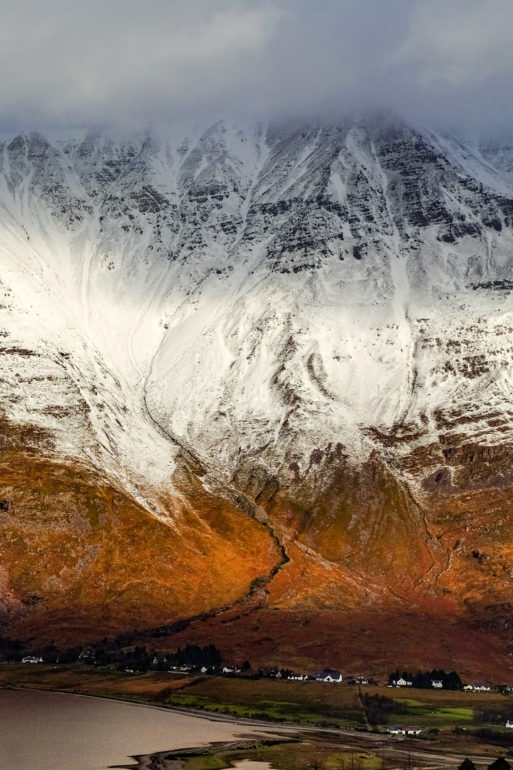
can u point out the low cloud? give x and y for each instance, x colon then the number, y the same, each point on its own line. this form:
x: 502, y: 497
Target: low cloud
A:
x: 128, y: 62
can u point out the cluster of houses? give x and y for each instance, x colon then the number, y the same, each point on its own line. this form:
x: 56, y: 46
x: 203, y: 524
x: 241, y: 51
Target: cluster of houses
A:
x: 188, y: 668
x: 329, y: 675
x: 437, y: 684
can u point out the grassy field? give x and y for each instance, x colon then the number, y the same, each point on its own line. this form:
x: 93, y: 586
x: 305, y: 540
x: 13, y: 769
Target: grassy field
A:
x: 308, y: 703
x: 88, y: 679
x: 303, y: 702
x: 317, y: 752
x: 444, y: 709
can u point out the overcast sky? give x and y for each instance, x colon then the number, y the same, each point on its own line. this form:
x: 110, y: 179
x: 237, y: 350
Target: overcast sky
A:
x: 91, y: 62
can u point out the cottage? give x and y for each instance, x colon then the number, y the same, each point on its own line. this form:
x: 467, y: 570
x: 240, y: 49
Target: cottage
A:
x: 413, y: 730
x: 297, y: 677
x: 437, y: 684
x: 32, y: 659
x: 401, y: 682
x: 394, y: 730
x: 482, y: 687
x: 328, y: 675
x: 509, y: 723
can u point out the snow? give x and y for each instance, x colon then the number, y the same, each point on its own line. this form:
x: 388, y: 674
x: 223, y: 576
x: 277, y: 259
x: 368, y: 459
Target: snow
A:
x: 158, y: 329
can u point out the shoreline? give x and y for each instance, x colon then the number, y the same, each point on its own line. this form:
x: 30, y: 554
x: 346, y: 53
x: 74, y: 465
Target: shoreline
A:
x: 153, y: 761
x: 280, y: 732
x: 192, y: 712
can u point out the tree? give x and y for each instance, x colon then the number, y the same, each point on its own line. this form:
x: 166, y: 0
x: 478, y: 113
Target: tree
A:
x: 452, y: 681
x: 467, y: 764
x: 500, y: 764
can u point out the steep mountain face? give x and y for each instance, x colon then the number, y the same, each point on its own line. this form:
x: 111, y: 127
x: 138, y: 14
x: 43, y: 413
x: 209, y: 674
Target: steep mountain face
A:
x: 260, y: 374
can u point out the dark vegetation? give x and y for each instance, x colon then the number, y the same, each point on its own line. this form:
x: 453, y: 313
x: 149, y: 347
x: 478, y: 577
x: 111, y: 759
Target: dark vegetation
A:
x: 378, y: 707
x: 500, y: 764
x: 423, y: 679
x: 467, y: 764
x: 494, y: 737
x: 110, y: 652
x: 192, y: 657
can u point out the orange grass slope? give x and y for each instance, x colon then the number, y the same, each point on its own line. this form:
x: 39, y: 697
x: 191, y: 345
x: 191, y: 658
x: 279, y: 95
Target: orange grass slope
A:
x: 79, y: 559
x: 380, y: 576
x: 346, y: 566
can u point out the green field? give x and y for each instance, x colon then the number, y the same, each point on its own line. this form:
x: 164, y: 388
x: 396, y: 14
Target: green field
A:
x: 315, y: 752
x: 308, y: 703
x: 446, y: 710
x: 426, y: 714
x: 303, y: 702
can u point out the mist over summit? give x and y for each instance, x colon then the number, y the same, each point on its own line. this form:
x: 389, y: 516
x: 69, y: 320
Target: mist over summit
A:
x: 122, y: 65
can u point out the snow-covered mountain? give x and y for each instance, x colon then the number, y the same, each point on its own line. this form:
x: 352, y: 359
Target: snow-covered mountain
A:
x: 316, y: 321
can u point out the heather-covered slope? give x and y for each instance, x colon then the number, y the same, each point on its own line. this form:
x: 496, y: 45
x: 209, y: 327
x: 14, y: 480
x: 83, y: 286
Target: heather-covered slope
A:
x: 285, y: 351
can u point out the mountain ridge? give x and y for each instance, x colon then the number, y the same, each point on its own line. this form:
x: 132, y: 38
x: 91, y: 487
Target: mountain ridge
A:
x: 308, y: 324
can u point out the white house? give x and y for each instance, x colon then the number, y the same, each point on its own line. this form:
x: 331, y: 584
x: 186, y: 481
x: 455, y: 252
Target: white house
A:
x: 401, y: 682
x: 482, y: 687
x: 31, y: 659
x: 334, y: 677
x: 437, y: 684
x: 328, y: 675
x: 394, y: 730
x: 298, y: 677
x: 413, y: 731
x: 509, y: 723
